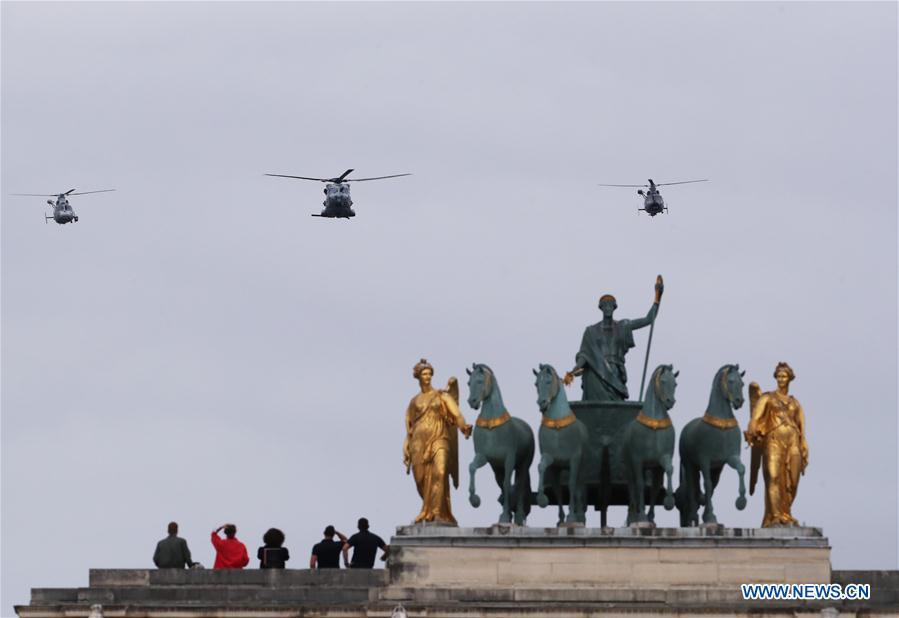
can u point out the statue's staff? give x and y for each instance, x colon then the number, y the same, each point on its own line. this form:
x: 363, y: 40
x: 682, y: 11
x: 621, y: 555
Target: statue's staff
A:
x: 660, y: 287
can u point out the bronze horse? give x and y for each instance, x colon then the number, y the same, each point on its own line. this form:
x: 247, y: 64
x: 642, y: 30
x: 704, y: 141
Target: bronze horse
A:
x: 563, y: 446
x: 648, y: 447
x: 709, y: 443
x: 503, y: 441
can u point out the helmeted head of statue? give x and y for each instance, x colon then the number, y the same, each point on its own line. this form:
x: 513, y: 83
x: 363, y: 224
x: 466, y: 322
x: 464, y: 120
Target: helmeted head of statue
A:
x: 784, y: 374
x: 423, y: 371
x: 608, y: 305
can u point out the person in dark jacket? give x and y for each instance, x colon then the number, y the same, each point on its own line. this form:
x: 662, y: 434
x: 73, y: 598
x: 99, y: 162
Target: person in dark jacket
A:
x: 172, y: 552
x: 272, y: 555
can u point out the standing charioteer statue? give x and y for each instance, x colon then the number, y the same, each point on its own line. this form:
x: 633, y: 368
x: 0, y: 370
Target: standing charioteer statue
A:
x: 600, y: 360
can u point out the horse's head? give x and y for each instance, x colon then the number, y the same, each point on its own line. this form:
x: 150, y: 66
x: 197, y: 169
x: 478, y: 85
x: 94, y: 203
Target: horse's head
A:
x: 480, y: 384
x: 548, y: 386
x: 663, y: 383
x: 729, y: 382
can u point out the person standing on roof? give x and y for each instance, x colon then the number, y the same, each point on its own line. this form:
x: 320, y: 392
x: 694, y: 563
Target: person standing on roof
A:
x: 229, y: 552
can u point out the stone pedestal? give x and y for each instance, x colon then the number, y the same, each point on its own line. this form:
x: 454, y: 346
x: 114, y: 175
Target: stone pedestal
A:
x: 509, y: 558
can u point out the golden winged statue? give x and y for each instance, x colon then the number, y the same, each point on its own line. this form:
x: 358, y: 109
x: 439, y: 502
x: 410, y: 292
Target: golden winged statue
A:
x: 776, y: 433
x: 431, y: 447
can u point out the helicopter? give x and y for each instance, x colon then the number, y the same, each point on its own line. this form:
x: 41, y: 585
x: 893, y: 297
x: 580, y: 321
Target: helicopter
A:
x: 653, y: 204
x: 337, y: 204
x: 62, y: 210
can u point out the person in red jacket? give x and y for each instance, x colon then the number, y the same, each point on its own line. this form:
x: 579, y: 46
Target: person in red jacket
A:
x: 229, y: 552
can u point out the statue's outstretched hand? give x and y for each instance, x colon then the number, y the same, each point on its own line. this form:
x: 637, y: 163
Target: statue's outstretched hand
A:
x: 466, y: 431
x: 568, y: 379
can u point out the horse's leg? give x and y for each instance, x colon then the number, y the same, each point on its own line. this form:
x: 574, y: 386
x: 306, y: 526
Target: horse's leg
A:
x: 691, y: 475
x: 574, y: 468
x: 508, y: 466
x: 478, y: 461
x: 635, y: 490
x: 655, y: 484
x: 546, y: 460
x: 631, y: 490
x: 668, y: 467
x: 557, y: 488
x: 708, y: 513
x: 641, y: 491
x: 700, y: 493
x: 518, y: 497
x: 498, y: 475
x: 681, y: 495
x: 734, y: 462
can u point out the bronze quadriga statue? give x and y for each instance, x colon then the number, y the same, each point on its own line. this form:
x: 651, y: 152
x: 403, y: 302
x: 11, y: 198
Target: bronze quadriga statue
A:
x: 605, y: 410
x: 709, y: 443
x: 503, y: 441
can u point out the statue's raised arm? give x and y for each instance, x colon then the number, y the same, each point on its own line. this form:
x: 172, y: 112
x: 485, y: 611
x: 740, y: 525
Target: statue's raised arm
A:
x: 654, y: 310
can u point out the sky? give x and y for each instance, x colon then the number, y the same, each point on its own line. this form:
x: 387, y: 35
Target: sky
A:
x: 198, y: 348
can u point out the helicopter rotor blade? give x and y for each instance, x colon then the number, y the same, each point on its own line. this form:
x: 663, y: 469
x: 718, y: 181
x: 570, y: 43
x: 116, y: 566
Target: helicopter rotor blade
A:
x: 302, y: 177
x: 86, y: 192
x: 342, y: 176
x: 69, y: 192
x: 375, y: 178
x: 682, y: 182
x: 602, y: 185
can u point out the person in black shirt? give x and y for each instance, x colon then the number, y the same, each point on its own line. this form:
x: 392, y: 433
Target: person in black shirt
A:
x: 326, y: 553
x: 272, y: 555
x: 365, y: 546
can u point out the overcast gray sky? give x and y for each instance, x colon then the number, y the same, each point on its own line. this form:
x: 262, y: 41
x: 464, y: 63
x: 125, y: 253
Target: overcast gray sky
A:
x: 199, y: 348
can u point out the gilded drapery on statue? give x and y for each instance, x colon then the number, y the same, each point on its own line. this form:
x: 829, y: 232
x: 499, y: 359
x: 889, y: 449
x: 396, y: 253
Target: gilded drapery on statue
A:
x: 431, y: 448
x: 776, y: 433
